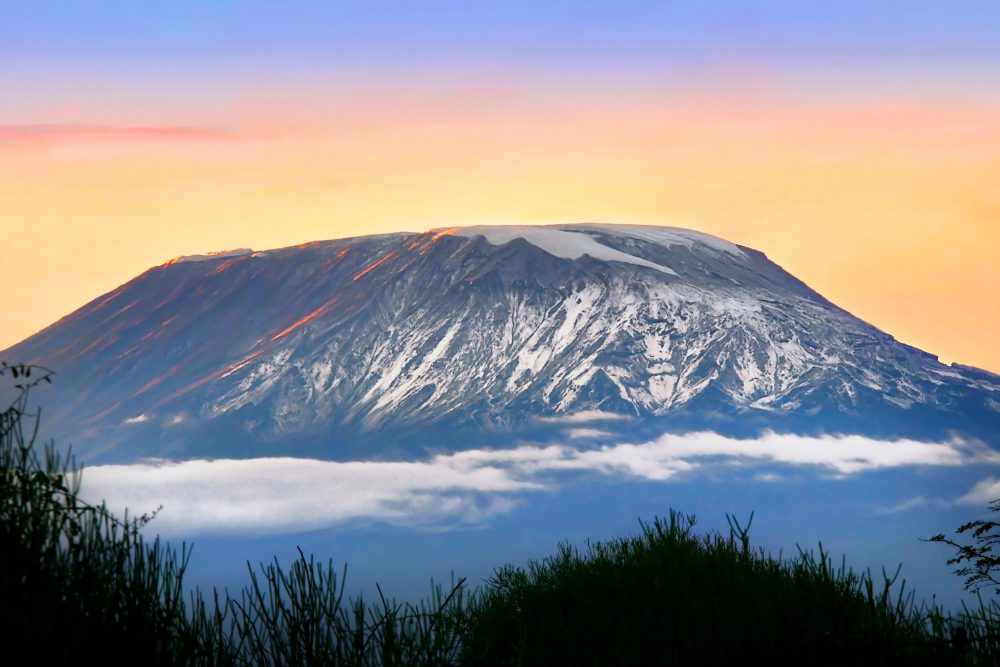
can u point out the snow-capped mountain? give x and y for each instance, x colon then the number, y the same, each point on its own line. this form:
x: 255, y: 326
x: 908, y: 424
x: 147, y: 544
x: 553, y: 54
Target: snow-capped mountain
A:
x: 360, y: 344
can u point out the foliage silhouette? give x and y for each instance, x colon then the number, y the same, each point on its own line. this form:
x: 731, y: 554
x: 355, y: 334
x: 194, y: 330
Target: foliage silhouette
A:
x: 984, y: 567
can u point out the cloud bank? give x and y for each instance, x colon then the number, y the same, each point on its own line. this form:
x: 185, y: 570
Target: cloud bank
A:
x: 274, y: 495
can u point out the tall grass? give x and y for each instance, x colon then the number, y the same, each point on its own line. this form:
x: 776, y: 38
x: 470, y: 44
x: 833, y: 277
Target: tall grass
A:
x: 77, y: 583
x: 75, y: 580
x: 300, y: 617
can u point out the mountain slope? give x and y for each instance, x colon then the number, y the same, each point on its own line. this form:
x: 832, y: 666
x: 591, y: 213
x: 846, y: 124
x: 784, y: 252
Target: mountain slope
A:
x: 436, y: 338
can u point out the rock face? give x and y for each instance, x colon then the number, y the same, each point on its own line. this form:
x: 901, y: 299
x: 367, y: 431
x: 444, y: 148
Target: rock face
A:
x: 367, y: 344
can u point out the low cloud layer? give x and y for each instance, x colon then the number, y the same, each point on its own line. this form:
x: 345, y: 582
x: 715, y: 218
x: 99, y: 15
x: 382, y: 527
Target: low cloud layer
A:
x: 274, y: 495
x: 278, y: 495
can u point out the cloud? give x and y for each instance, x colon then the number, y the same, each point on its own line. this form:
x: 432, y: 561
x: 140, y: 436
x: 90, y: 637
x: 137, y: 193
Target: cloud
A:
x: 290, y: 494
x: 273, y: 495
x: 137, y: 419
x: 582, y: 417
x: 903, y: 506
x: 984, y: 492
x: 843, y: 454
x: 51, y: 131
x: 582, y: 433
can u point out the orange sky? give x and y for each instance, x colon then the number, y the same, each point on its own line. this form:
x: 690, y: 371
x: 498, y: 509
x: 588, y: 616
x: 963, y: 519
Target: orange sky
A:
x: 891, y: 211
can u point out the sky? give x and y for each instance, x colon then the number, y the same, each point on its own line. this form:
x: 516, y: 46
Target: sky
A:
x: 856, y: 143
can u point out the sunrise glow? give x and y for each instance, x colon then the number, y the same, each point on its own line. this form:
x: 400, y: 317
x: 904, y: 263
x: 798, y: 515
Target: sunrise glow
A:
x: 870, y: 175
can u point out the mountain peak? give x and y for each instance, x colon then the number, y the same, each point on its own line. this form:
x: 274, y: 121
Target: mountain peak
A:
x: 471, y: 330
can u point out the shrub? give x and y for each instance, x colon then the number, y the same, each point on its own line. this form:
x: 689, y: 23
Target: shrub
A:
x: 670, y: 597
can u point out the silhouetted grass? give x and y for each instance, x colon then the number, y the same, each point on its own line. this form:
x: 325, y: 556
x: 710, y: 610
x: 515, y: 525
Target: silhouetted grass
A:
x: 74, y: 580
x: 299, y: 617
x: 76, y: 584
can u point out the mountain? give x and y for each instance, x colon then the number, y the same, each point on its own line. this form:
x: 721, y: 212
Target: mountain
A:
x: 370, y: 345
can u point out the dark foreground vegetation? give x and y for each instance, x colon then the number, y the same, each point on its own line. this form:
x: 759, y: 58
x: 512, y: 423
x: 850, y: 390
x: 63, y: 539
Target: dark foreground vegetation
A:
x: 78, y: 584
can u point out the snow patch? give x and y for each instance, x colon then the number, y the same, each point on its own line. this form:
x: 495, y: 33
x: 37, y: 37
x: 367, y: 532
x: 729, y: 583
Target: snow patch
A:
x: 665, y: 236
x: 222, y: 254
x: 558, y: 243
x: 255, y: 385
x: 661, y: 388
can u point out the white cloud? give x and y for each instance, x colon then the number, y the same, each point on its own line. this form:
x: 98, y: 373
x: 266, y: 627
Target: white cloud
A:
x: 289, y: 494
x: 903, y: 506
x: 137, y: 420
x: 582, y: 417
x: 984, y: 492
x: 587, y: 433
x: 844, y: 454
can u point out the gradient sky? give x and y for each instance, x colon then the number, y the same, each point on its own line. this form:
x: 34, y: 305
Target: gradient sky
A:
x: 856, y: 143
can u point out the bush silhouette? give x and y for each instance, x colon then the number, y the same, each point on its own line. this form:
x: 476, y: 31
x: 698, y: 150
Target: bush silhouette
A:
x: 983, y: 569
x: 670, y: 597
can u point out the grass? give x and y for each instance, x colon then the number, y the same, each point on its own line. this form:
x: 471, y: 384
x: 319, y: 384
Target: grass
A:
x: 78, y: 583
x: 668, y: 596
x: 75, y: 580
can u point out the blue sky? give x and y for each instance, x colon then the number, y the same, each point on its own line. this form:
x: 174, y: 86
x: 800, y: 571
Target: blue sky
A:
x: 860, y: 40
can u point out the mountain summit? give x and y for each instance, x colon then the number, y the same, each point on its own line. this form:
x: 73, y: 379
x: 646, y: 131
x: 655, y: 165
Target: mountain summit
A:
x: 435, y: 338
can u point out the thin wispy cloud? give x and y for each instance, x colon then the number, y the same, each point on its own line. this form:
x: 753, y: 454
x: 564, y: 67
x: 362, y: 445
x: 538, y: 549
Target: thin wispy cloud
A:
x: 53, y: 131
x: 903, y: 506
x: 985, y: 491
x: 272, y: 495
x: 582, y: 417
x: 587, y: 433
